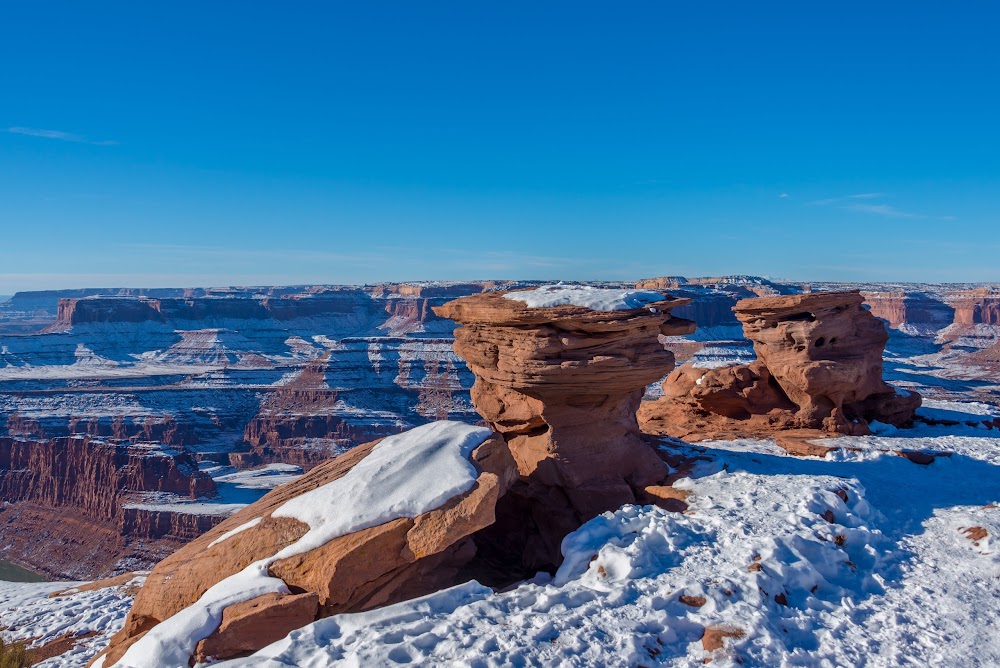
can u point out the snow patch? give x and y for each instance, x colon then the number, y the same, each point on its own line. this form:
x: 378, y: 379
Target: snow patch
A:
x: 232, y: 532
x: 586, y: 296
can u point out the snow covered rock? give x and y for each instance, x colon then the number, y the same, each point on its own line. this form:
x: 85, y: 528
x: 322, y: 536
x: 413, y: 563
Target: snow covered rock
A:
x: 819, y: 366
x: 385, y: 522
x: 586, y: 296
x: 562, y: 384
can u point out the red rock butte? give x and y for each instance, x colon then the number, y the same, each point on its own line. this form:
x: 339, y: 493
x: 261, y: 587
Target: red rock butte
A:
x: 562, y: 386
x: 819, y: 366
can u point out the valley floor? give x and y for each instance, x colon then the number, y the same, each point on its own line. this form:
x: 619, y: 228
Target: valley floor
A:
x: 862, y: 558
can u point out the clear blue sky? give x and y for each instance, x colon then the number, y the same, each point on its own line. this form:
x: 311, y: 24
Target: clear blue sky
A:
x: 216, y: 143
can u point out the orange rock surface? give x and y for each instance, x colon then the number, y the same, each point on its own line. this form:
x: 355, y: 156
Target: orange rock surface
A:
x: 819, y: 366
x: 384, y: 564
x: 562, y: 385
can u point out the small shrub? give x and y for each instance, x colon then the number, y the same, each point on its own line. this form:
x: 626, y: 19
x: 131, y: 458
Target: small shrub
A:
x: 14, y: 655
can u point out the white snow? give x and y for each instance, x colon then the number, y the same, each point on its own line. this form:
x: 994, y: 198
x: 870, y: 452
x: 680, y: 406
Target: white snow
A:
x: 958, y: 411
x: 28, y: 613
x: 892, y: 580
x: 266, y: 477
x: 586, y: 296
x: 405, y: 475
x: 232, y: 532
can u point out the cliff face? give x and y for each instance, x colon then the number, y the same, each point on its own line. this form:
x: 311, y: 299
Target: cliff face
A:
x: 170, y: 527
x: 312, y: 416
x: 111, y: 309
x: 975, y: 307
x: 900, y: 308
x: 158, y: 429
x: 305, y: 439
x: 62, y: 490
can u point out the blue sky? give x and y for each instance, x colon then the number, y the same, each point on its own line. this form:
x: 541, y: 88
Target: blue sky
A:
x: 258, y: 143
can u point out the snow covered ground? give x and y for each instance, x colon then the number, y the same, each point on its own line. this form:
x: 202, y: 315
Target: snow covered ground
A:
x: 236, y: 490
x: 863, y: 558
x: 860, y: 559
x: 29, y: 614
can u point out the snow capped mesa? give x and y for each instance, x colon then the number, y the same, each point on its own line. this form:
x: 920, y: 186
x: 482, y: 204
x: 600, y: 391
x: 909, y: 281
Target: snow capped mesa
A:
x: 585, y: 296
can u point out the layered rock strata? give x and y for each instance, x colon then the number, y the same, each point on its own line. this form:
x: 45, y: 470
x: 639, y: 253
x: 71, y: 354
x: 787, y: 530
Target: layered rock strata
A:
x: 819, y: 366
x: 391, y: 561
x: 562, y: 386
x: 66, y: 503
x: 917, y: 310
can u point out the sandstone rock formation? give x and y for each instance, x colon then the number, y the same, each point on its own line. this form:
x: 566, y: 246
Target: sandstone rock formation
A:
x: 562, y: 386
x: 370, y: 567
x: 819, y: 366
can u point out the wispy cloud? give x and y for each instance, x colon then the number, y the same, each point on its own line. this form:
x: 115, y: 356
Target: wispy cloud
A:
x: 865, y: 203
x: 882, y: 210
x: 58, y: 134
x: 830, y: 201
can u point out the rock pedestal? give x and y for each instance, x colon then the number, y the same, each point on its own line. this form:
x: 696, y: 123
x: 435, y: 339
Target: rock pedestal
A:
x: 819, y: 366
x: 562, y: 385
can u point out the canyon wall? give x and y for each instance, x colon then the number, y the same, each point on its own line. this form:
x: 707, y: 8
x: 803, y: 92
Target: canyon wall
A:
x: 65, y: 503
x: 256, y: 376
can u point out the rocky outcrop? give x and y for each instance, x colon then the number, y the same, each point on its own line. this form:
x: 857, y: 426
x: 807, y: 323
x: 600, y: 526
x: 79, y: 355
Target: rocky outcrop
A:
x: 819, y: 366
x: 562, y: 386
x: 391, y: 561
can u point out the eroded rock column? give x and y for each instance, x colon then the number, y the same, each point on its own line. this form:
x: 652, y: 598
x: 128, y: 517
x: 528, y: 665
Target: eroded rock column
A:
x: 562, y: 385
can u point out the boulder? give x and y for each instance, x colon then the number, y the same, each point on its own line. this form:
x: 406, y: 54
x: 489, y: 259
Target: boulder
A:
x: 562, y: 385
x: 402, y: 557
x: 819, y: 366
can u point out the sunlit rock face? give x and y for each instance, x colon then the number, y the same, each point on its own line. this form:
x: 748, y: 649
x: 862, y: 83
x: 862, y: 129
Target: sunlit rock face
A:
x: 401, y: 531
x: 562, y: 385
x: 819, y: 366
